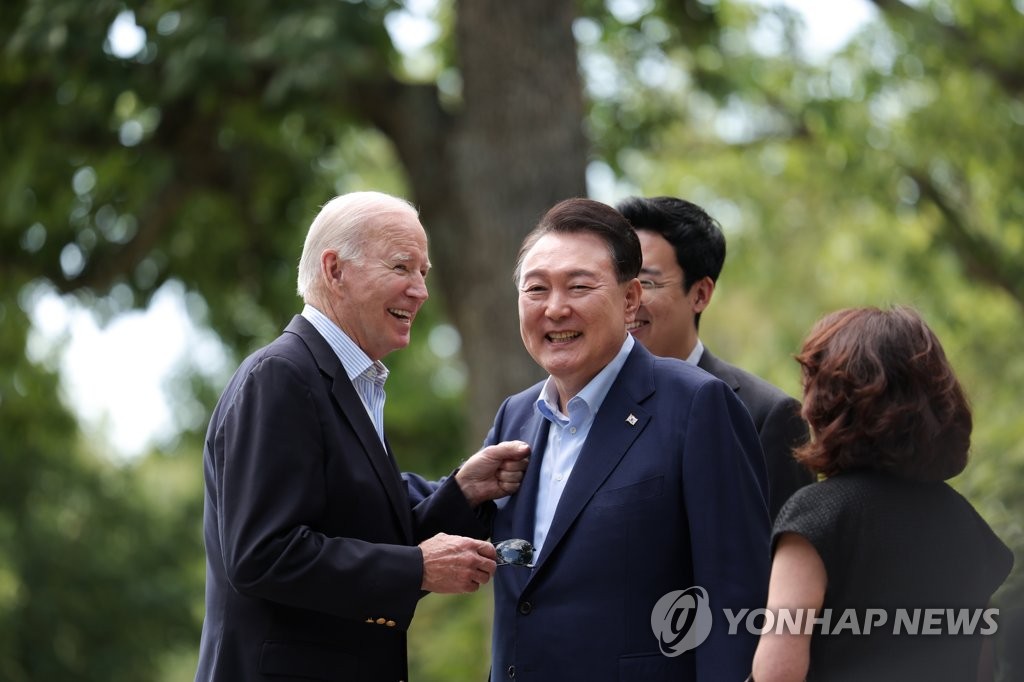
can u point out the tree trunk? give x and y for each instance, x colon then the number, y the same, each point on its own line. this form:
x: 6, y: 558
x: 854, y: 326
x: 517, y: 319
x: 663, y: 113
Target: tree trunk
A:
x: 491, y: 171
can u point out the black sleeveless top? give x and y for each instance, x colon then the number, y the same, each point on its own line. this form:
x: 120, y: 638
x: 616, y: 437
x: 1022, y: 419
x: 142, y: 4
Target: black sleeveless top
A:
x: 920, y: 552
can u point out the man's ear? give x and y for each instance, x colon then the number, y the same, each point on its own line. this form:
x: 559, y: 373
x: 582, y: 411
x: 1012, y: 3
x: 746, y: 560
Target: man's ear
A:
x: 332, y: 269
x: 633, y: 293
x: 701, y: 293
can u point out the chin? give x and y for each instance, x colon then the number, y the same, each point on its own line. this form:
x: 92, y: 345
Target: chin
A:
x: 396, y: 344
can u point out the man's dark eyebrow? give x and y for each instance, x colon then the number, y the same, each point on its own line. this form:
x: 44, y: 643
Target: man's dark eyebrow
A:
x: 539, y: 272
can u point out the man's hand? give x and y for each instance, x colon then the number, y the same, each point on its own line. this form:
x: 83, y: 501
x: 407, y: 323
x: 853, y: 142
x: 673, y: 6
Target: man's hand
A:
x: 454, y: 564
x: 495, y: 471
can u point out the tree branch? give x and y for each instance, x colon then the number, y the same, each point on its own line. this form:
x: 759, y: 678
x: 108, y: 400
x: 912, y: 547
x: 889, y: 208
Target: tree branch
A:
x: 981, y: 257
x: 1010, y: 79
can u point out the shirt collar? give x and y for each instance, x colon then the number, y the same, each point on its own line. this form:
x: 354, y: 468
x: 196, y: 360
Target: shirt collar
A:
x: 353, y: 359
x: 592, y: 395
x: 696, y: 354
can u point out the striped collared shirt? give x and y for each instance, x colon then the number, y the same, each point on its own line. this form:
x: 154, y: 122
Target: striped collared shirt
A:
x: 367, y: 376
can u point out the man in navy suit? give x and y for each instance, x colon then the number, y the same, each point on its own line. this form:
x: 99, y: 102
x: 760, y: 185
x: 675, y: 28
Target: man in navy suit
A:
x: 316, y: 557
x: 646, y: 483
x: 684, y: 251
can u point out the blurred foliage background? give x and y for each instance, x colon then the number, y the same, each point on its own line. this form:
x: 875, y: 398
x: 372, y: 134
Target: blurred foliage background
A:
x: 163, y: 147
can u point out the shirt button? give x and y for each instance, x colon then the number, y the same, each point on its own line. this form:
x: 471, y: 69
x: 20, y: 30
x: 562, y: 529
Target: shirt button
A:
x: 525, y: 607
x: 558, y: 477
x: 572, y: 430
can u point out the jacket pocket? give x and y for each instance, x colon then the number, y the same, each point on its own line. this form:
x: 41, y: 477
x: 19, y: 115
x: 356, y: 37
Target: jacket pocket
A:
x: 628, y: 494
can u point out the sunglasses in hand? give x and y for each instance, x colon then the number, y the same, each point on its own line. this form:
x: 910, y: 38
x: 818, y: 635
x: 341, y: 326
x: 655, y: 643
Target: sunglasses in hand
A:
x: 515, y: 552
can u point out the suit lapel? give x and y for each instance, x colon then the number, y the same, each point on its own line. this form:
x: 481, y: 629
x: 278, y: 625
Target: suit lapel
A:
x: 534, y: 432
x: 354, y: 412
x: 523, y: 505
x: 617, y: 424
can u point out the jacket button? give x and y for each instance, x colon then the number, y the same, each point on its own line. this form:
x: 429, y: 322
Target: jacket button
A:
x: 525, y: 607
x: 511, y: 672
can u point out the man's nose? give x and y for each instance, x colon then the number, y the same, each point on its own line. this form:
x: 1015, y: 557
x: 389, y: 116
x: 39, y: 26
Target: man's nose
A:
x: 418, y: 288
x: 557, y: 305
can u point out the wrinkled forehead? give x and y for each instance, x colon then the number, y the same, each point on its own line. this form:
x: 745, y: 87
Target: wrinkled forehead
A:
x: 396, y: 233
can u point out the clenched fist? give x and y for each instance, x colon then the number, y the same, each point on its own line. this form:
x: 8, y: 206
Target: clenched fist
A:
x: 495, y: 471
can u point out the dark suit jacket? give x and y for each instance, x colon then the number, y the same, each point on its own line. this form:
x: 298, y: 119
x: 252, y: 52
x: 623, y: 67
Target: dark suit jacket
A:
x: 673, y: 500
x: 779, y: 426
x: 312, y: 569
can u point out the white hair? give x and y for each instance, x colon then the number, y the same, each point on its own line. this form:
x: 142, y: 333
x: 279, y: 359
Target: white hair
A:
x: 343, y: 225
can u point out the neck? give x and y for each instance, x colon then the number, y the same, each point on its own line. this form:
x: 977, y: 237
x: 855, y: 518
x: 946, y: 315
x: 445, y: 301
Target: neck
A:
x: 683, y: 350
x: 324, y: 304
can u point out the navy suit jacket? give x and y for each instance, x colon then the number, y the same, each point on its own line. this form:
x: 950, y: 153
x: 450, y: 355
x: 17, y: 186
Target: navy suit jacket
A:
x: 312, y: 569
x: 668, y: 493
x: 779, y: 425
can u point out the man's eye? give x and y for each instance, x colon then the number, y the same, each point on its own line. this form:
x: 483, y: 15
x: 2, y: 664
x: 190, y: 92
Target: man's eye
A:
x: 401, y: 267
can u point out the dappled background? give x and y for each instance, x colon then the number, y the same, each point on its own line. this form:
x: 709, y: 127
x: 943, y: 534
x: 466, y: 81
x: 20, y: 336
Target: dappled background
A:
x: 168, y: 156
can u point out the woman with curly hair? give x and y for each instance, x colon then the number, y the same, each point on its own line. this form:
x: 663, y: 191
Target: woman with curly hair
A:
x: 880, y: 571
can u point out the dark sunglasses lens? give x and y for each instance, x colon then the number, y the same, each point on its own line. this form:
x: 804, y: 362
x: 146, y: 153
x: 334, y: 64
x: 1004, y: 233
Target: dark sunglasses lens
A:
x: 514, y: 553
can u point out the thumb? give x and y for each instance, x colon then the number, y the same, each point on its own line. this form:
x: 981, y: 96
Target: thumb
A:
x: 509, y: 450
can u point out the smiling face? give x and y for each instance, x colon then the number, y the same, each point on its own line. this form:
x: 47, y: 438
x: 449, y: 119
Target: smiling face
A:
x: 375, y: 297
x: 665, y: 321
x: 572, y: 311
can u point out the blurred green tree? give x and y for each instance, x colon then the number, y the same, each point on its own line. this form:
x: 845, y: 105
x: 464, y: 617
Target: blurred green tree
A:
x: 203, y: 155
x: 97, y: 561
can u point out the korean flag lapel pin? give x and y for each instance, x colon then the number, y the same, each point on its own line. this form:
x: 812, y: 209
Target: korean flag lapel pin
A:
x: 631, y: 419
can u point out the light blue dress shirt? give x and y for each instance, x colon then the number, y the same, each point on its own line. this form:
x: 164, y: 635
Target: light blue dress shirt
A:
x: 566, y: 437
x: 367, y: 376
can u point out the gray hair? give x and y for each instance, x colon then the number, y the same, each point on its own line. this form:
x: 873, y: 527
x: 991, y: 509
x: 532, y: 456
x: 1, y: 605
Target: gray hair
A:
x: 344, y: 225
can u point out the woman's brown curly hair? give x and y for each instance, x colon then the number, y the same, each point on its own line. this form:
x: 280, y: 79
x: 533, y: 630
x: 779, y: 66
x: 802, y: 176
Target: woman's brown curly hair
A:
x: 880, y: 394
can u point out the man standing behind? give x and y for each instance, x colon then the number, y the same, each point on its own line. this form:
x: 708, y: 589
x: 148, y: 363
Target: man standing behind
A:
x: 684, y: 250
x: 315, y: 557
x: 646, y: 479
